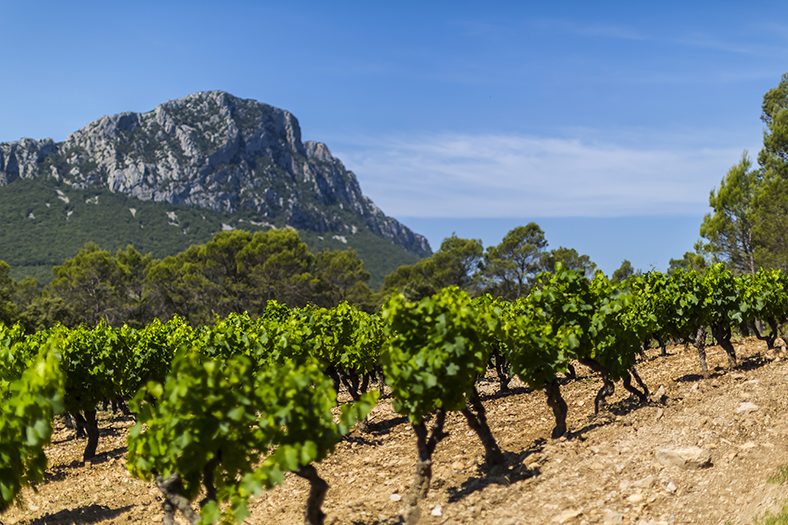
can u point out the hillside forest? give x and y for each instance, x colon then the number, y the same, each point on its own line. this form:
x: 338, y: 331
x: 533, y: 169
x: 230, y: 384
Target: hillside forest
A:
x: 240, y: 271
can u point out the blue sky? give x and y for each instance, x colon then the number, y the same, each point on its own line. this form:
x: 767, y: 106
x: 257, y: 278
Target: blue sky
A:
x: 607, y: 123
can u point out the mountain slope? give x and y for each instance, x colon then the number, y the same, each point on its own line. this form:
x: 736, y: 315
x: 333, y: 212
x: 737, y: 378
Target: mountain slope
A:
x: 46, y: 222
x: 237, y: 159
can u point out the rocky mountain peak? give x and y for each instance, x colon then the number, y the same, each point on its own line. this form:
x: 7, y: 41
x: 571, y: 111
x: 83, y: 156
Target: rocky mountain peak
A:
x: 211, y: 150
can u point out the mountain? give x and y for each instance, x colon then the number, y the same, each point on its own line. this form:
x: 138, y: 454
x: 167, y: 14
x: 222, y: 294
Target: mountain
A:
x: 240, y: 161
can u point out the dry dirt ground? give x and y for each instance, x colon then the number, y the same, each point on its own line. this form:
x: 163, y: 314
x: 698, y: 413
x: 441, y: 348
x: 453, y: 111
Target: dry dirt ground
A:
x: 606, y: 470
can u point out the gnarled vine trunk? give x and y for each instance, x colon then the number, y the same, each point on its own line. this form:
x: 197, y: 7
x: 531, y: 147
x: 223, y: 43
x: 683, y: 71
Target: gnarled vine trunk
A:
x: 641, y: 394
x: 313, y: 513
x: 502, y: 367
x: 608, y: 388
x: 557, y: 403
x: 423, y: 476
x: 723, y: 336
x: 172, y: 490
x: 476, y: 416
x: 89, y: 423
x: 771, y: 338
x: 700, y: 344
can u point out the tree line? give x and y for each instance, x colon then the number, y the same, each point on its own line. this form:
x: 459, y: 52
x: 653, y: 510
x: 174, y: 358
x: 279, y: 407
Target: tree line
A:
x: 239, y: 271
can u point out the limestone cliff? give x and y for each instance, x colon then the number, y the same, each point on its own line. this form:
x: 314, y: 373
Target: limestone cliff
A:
x: 212, y: 150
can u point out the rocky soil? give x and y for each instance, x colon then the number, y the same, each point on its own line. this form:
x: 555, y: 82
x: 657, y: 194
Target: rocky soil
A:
x: 702, y: 454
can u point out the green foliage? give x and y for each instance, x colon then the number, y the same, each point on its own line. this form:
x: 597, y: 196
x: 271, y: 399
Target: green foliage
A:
x: 650, y: 307
x: 414, y: 282
x: 768, y: 518
x: 345, y: 338
x: 277, y: 265
x: 93, y: 284
x: 234, y: 404
x: 235, y: 272
x: 213, y: 422
x: 341, y: 277
x: 510, y: 267
x: 551, y: 326
x: 380, y: 256
x: 261, y: 341
x: 204, y: 274
x: 747, y: 228
x: 7, y: 289
x: 569, y: 259
x: 455, y: 264
x: 507, y: 270
x: 27, y: 405
x: 568, y: 317
x: 93, y: 362
x: 691, y: 261
x: 730, y: 228
x: 624, y: 272
x: 764, y: 295
x: 149, y: 351
x: 679, y: 302
x: 723, y: 297
x: 34, y: 246
x: 45, y: 310
x: 204, y: 418
x: 296, y: 403
x: 15, y: 353
x: 622, y: 320
x: 238, y: 271
x: 774, y: 113
x: 780, y: 477
x: 90, y: 287
x: 435, y: 352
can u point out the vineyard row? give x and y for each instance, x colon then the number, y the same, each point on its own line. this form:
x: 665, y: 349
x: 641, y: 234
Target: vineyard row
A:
x: 225, y: 410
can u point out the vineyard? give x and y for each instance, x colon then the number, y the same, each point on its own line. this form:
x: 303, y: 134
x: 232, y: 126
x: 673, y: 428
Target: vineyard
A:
x: 451, y: 409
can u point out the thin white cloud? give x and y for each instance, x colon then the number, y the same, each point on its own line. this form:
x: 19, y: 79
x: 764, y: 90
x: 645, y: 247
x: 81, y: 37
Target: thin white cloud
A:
x: 496, y: 29
x: 592, y: 29
x: 751, y: 39
x: 454, y: 175
x: 740, y: 46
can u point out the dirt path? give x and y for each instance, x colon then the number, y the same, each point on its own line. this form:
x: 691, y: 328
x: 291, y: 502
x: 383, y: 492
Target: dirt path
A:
x: 610, y: 470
